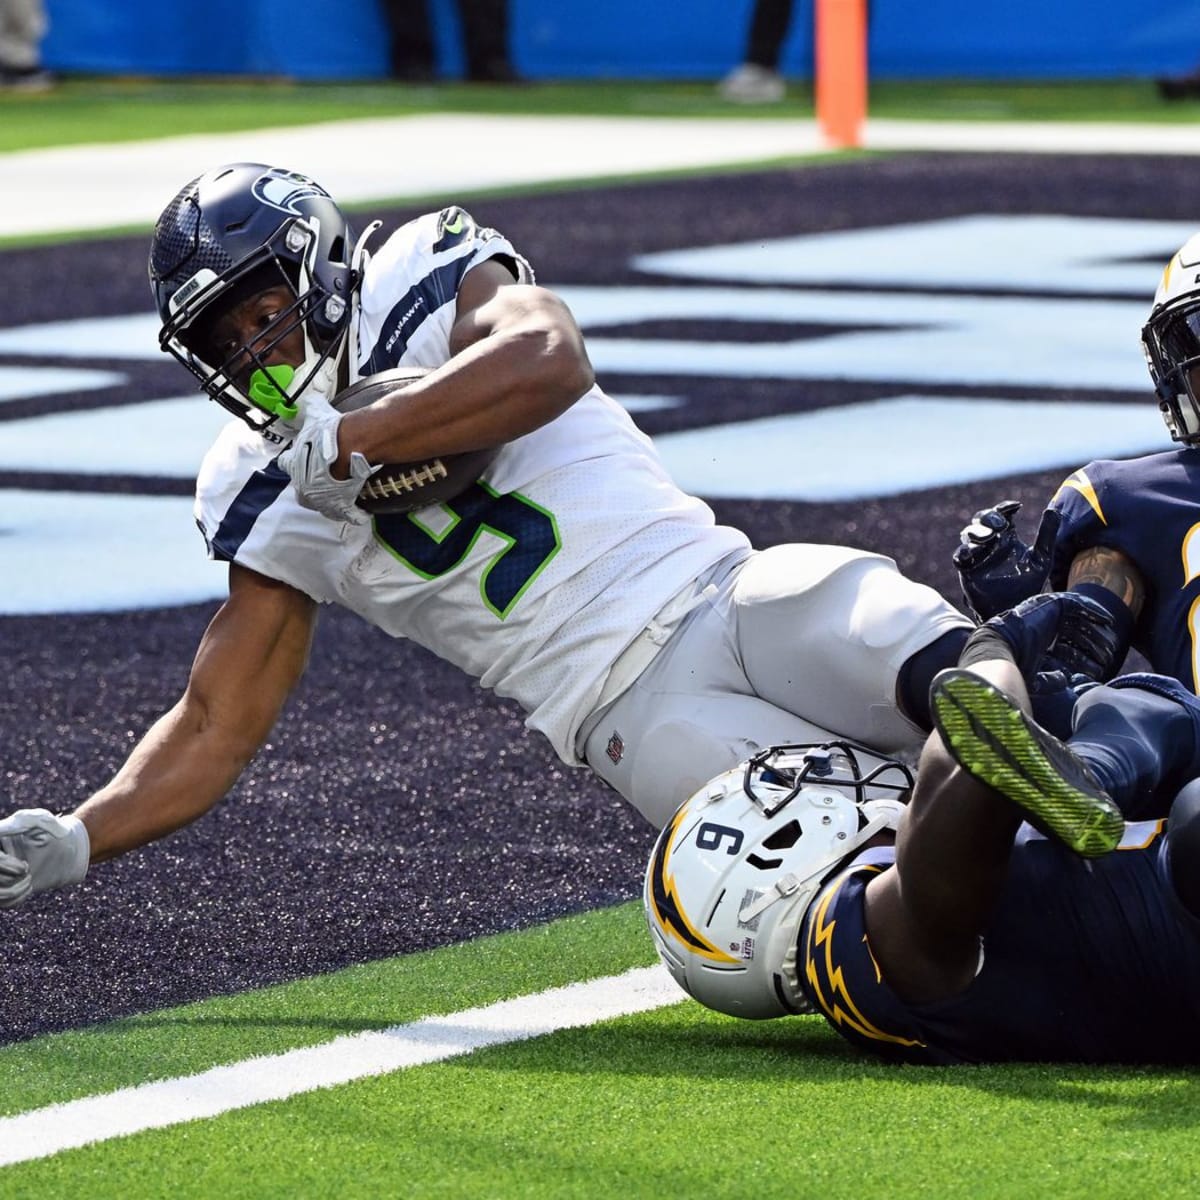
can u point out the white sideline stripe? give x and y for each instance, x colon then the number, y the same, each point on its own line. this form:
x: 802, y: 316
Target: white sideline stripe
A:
x: 67, y: 1126
x: 128, y: 183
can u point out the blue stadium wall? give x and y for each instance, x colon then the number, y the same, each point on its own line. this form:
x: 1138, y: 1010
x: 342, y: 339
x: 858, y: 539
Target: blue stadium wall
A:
x: 624, y: 39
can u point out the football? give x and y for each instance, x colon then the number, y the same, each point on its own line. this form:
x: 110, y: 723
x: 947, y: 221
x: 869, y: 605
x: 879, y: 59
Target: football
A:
x: 403, y: 487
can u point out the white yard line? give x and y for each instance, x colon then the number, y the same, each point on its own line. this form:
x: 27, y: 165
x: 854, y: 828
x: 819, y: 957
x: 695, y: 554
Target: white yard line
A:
x: 76, y: 1123
x: 1034, y: 137
x: 375, y: 159
x: 392, y: 158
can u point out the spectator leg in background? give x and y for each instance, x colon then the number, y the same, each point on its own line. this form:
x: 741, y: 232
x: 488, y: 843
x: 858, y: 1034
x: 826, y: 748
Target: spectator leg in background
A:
x: 485, y: 40
x: 410, y: 29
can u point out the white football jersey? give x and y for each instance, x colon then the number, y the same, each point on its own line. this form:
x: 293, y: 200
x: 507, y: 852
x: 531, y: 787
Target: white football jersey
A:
x: 533, y: 580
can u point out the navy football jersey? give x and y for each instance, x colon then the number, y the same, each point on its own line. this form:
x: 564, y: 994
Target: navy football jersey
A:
x: 1084, y: 960
x: 1149, y: 509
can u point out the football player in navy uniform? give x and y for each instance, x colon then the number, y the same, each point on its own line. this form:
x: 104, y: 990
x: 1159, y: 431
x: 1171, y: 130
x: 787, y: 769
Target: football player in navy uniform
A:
x: 641, y: 638
x: 1126, y: 533
x: 1008, y: 913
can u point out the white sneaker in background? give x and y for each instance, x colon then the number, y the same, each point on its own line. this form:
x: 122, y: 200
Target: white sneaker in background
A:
x: 25, y: 79
x: 752, y: 84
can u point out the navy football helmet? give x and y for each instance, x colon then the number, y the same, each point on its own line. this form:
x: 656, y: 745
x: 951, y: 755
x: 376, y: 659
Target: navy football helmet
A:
x: 230, y: 234
x: 1171, y: 341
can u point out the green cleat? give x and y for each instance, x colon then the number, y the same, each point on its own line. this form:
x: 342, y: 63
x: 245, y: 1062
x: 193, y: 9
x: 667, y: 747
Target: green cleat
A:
x: 996, y: 743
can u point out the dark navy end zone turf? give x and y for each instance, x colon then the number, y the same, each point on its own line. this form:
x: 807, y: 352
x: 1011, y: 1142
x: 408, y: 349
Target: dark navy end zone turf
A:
x: 996, y: 743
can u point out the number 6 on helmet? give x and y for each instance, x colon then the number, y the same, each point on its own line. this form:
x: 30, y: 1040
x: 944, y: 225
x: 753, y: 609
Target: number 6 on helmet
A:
x: 732, y: 875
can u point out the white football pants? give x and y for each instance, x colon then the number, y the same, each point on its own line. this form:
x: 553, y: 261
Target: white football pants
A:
x: 798, y: 643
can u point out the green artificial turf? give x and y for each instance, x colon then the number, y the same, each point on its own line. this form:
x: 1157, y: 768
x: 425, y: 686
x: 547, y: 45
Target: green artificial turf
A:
x: 673, y: 1103
x: 677, y: 1102
x: 192, y: 1038
x: 107, y: 109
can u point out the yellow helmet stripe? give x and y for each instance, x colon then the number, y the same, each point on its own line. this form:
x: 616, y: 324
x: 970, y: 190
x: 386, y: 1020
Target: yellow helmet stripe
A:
x: 668, y: 912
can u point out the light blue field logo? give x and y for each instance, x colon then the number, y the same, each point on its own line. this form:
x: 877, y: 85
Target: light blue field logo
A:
x: 285, y: 189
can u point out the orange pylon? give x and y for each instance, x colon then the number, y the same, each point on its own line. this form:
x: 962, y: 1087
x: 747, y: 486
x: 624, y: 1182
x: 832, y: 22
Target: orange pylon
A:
x: 841, y: 70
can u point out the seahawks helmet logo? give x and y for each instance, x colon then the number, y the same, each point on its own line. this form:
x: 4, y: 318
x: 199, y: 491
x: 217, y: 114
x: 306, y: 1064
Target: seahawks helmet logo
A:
x: 285, y: 189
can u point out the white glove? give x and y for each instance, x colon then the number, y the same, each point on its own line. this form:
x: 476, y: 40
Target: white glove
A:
x: 309, y: 458
x: 38, y: 852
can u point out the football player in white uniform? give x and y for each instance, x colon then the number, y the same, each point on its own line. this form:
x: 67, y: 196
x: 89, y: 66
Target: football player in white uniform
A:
x: 639, y: 636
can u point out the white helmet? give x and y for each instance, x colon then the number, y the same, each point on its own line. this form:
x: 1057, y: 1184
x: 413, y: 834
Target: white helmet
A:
x: 734, y: 872
x: 1171, y: 342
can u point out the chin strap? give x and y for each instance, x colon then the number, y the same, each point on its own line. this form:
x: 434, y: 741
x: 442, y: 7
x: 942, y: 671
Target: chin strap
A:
x: 359, y: 257
x: 326, y: 379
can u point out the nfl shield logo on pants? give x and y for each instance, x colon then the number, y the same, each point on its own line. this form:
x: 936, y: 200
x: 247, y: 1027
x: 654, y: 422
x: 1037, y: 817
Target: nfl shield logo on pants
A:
x: 615, y: 747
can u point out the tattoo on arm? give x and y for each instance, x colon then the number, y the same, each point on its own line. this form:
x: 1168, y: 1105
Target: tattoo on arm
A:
x: 1112, y: 570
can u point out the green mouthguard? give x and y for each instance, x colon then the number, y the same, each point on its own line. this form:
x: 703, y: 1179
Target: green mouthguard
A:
x: 266, y: 390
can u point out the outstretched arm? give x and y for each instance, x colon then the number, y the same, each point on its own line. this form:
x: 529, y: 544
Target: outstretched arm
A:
x: 251, y: 655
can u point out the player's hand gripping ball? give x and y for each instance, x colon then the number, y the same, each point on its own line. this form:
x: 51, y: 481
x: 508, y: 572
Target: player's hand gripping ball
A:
x: 403, y: 487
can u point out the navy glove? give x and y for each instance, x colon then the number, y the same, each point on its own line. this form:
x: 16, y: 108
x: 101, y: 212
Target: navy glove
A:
x: 1053, y: 696
x: 997, y: 570
x: 1057, y: 631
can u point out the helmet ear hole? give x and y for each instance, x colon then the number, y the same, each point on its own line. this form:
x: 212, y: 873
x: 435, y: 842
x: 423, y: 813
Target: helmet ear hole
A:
x: 784, y: 838
x: 764, y: 864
